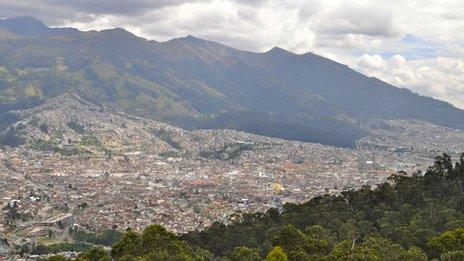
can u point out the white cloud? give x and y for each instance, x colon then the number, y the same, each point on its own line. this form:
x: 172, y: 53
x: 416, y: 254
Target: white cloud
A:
x: 359, y: 18
x: 440, y: 77
x: 374, y: 62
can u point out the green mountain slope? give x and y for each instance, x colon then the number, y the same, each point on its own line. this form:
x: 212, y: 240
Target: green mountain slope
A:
x: 195, y: 83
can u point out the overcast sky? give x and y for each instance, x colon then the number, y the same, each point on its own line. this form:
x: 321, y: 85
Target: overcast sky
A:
x: 418, y: 44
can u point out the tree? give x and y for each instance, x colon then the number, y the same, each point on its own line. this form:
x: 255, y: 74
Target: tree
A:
x: 156, y: 236
x: 453, y: 256
x: 348, y: 250
x: 156, y: 243
x: 95, y: 254
x: 372, y: 248
x: 448, y: 241
x: 244, y: 254
x: 277, y: 254
x: 160, y: 244
x: 321, y: 237
x: 291, y: 239
x: 414, y: 254
x: 40, y: 249
x: 443, y: 164
x: 130, y: 244
x: 24, y: 250
x: 274, y: 215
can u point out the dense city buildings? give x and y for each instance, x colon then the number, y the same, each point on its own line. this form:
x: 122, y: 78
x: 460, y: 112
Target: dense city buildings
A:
x: 90, y: 168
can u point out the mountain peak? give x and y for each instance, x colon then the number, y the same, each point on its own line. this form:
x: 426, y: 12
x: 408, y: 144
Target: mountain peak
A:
x: 25, y: 20
x: 32, y: 27
x: 280, y: 51
x: 193, y: 39
x: 198, y: 43
x: 25, y: 26
x: 116, y: 32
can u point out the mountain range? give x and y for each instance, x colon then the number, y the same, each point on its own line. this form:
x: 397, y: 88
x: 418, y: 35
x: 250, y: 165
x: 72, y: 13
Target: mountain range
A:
x: 195, y: 83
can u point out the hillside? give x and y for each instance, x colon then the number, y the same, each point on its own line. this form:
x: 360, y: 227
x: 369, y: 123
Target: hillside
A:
x: 194, y: 83
x: 70, y: 125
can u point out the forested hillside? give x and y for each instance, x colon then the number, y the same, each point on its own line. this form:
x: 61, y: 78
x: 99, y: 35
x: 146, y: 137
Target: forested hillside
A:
x: 410, y: 217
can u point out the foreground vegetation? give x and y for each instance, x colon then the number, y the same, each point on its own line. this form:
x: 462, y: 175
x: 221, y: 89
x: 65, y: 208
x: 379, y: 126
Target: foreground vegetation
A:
x: 410, y: 217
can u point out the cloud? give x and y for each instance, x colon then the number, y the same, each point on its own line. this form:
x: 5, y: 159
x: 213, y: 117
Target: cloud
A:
x: 70, y: 9
x: 439, y: 77
x: 309, y: 9
x: 251, y: 2
x: 118, y: 7
x: 348, y: 41
x: 363, y: 19
x: 314, y: 23
x: 374, y: 62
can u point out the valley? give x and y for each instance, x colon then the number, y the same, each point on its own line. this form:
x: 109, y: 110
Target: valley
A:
x: 107, y: 170
x: 104, y: 134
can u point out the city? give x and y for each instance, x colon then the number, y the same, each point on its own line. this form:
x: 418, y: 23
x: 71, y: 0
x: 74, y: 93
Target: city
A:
x: 134, y: 172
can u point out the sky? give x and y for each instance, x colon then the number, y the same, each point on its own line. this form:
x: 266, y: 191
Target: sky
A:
x: 417, y: 44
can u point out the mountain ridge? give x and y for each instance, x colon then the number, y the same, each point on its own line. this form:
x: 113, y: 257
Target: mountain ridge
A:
x: 196, y: 83
x: 32, y: 27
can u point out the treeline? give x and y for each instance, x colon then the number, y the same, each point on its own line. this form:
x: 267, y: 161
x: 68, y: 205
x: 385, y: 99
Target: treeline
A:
x: 409, y: 217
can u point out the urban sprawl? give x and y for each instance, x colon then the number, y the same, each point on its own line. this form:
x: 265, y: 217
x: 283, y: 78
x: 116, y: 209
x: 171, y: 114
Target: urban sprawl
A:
x: 87, y: 168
